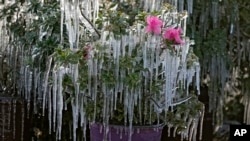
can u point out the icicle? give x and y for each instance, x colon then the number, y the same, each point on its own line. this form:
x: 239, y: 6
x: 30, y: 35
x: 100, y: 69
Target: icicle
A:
x: 39, y: 89
x: 180, y: 5
x: 175, y: 129
x: 169, y: 129
x: 70, y: 128
x: 61, y: 22
x: 54, y: 100
x: 197, y: 72
x: 30, y: 78
x: 75, y: 110
x: 46, y: 77
x: 130, y: 113
x: 231, y: 28
x: 59, y: 106
x: 201, y: 121
x: 95, y: 74
x: 190, y: 6
x: 84, y: 128
x: 35, y: 83
x: 121, y: 132
x: 192, y: 128
x: 49, y: 108
x: 215, y: 13
x: 90, y: 70
x: 195, y: 128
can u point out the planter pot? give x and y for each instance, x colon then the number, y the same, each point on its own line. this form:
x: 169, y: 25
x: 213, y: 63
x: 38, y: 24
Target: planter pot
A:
x: 121, y: 133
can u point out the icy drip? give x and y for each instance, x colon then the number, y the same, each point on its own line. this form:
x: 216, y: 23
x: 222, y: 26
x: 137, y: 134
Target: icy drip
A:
x: 214, y: 13
x: 83, y: 118
x: 71, y: 21
x: 105, y: 111
x: 35, y: 87
x: 246, y: 103
x: 180, y: 5
x: 197, y: 80
x: 130, y: 107
x: 75, y: 110
x: 151, y: 5
x: 54, y: 100
x: 168, y: 89
x: 116, y: 49
x: 95, y: 74
x: 190, y: 6
x: 59, y: 103
x: 28, y: 83
x: 201, y: 121
x: 49, y: 108
x: 90, y: 70
x: 91, y: 9
x: 62, y: 8
x: 40, y: 83
x: 219, y: 75
x: 46, y: 77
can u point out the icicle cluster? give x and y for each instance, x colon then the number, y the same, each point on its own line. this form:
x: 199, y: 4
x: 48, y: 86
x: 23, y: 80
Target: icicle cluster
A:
x: 215, y: 63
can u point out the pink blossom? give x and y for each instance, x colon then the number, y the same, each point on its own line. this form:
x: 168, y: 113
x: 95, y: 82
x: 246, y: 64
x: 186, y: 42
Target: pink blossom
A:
x: 154, y: 25
x: 86, y: 52
x: 173, y: 34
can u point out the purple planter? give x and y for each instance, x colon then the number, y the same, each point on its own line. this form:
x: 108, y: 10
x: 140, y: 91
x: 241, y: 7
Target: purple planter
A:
x: 121, y: 133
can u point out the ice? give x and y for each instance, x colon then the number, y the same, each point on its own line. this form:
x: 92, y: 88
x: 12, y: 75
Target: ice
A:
x: 46, y: 77
x: 49, y: 108
x: 180, y: 5
x: 35, y: 87
x: 201, y: 121
x: 59, y: 100
x: 75, y: 110
x: 95, y: 81
x: 54, y: 99
x: 190, y: 6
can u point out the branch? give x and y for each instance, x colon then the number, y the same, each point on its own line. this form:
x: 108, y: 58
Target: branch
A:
x: 91, y: 24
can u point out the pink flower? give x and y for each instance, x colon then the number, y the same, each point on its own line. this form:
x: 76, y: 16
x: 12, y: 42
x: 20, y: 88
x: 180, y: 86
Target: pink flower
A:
x: 86, y: 52
x: 173, y: 34
x: 154, y: 25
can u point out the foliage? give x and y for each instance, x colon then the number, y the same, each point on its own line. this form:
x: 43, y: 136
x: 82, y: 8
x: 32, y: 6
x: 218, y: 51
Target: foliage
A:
x: 41, y: 36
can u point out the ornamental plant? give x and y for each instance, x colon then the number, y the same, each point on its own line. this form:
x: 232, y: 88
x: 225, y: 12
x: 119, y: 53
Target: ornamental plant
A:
x: 126, y: 67
x: 137, y: 73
